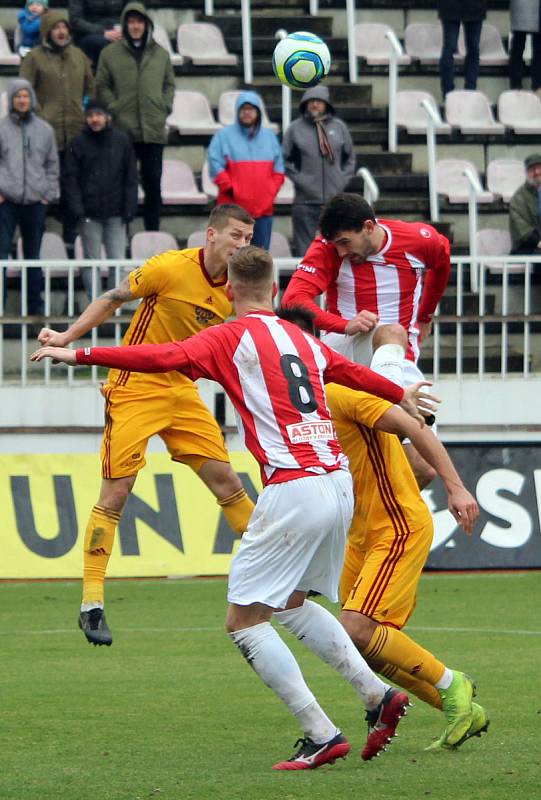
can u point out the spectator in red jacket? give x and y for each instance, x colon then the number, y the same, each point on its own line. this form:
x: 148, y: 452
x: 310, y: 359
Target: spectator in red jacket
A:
x: 245, y: 162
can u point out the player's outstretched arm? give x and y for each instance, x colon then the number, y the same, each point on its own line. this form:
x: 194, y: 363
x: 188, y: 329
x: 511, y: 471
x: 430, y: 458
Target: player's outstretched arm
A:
x: 97, y: 312
x: 461, y: 503
x: 60, y: 355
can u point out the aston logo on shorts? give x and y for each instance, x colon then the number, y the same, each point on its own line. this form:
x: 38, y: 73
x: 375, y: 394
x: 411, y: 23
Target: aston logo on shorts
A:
x: 310, y: 431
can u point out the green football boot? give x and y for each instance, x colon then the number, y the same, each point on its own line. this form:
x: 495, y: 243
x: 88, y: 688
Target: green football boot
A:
x: 457, y: 709
x: 479, y: 725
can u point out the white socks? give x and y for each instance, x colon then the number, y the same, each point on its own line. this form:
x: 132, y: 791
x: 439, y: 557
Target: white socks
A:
x: 446, y: 679
x: 275, y: 664
x: 388, y: 360
x: 90, y: 606
x: 323, y: 634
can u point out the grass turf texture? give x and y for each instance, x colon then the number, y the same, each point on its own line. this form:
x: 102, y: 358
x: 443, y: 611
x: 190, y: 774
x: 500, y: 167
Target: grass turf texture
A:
x: 171, y: 710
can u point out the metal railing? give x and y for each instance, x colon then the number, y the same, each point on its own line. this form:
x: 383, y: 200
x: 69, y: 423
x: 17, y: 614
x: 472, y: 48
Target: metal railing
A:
x: 502, y: 321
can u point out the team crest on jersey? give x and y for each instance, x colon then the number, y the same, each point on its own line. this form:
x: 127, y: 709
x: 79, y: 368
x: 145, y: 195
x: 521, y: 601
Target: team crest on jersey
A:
x: 425, y: 232
x: 321, y: 430
x: 203, y: 315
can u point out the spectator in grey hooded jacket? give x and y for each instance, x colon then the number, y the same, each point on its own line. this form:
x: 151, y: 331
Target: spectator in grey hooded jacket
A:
x: 319, y: 159
x: 28, y: 180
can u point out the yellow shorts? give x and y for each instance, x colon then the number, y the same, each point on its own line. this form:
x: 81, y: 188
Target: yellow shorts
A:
x: 380, y: 580
x: 176, y: 414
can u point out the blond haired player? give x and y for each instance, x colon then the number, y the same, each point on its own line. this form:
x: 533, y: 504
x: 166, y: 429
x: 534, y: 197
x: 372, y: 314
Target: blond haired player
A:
x: 388, y: 543
x: 182, y: 292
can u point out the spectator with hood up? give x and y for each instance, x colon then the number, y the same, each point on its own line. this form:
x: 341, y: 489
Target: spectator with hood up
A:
x: 136, y: 84
x: 319, y: 159
x: 245, y: 162
x: 28, y: 180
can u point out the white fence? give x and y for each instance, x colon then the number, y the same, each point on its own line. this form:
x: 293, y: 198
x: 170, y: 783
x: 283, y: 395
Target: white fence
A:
x: 502, y: 323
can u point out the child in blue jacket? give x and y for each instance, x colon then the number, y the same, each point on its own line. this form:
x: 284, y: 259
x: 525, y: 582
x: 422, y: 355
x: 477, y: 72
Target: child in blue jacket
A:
x: 29, y: 23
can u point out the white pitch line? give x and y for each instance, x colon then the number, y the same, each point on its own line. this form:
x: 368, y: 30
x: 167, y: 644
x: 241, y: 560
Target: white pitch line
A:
x: 430, y: 629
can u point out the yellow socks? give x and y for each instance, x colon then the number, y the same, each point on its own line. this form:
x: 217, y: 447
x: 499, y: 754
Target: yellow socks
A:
x: 394, y: 647
x: 99, y: 537
x: 237, y: 510
x: 421, y: 689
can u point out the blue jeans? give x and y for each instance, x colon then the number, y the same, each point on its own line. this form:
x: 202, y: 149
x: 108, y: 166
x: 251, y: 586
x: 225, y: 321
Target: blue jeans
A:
x: 262, y: 232
x: 472, y: 36
x: 31, y: 222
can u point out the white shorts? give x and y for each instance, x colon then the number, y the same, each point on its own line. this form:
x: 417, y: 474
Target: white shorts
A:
x: 295, y: 540
x: 358, y: 348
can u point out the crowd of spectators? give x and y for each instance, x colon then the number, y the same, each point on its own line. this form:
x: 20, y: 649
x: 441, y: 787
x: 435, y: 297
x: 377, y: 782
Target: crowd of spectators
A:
x: 105, y: 87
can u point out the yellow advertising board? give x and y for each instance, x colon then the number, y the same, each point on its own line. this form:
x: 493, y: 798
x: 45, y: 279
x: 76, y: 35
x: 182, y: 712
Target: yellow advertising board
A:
x: 171, y: 524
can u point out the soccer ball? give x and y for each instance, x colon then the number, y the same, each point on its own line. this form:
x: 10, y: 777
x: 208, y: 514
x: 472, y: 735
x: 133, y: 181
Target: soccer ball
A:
x: 301, y: 60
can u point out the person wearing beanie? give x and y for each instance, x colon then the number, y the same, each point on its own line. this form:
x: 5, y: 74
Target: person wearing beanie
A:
x: 29, y: 22
x: 524, y: 211
x: 28, y: 181
x: 319, y: 159
x: 95, y: 24
x: 100, y: 185
x: 136, y: 83
x: 61, y: 76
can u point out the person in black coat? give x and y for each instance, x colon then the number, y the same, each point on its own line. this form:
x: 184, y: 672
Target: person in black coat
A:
x: 471, y: 14
x: 95, y: 24
x: 100, y: 185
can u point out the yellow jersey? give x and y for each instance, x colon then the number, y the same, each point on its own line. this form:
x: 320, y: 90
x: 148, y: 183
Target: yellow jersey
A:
x: 386, y: 492
x: 179, y: 299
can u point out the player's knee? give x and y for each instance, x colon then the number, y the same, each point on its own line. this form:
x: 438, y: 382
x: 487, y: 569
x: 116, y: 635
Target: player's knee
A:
x: 393, y: 333
x: 359, y: 628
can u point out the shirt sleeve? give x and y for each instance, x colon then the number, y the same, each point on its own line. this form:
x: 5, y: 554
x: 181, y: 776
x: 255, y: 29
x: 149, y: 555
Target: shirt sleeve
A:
x: 438, y: 261
x: 195, y: 357
x: 345, y: 372
x: 154, y: 276
x: 357, y: 406
x: 311, y: 279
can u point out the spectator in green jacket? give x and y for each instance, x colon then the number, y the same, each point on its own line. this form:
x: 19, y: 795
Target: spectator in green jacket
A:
x: 61, y: 77
x: 524, y: 213
x: 135, y: 81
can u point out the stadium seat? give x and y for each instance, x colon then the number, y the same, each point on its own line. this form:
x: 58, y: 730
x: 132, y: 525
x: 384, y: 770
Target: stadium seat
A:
x: 162, y: 37
x: 208, y: 186
x: 279, y: 246
x: 491, y: 50
x: 52, y: 249
x: 520, y: 111
x: 226, y: 110
x: 423, y: 42
x: 411, y: 115
x: 179, y: 186
x: 7, y: 57
x: 496, y: 242
x: 203, y: 43
x: 286, y: 195
x: 146, y: 244
x: 451, y: 181
x: 372, y: 44
x: 192, y: 114
x: 471, y: 112
x: 504, y: 176
x: 197, y: 239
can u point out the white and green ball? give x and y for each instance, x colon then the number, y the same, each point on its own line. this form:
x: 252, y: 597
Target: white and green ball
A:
x: 301, y: 60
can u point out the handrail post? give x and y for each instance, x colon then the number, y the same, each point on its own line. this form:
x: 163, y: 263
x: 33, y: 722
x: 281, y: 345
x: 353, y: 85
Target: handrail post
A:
x: 314, y: 8
x: 371, y: 189
x: 432, y: 159
x: 352, y: 55
x: 286, y: 91
x: 247, y: 41
x: 209, y: 8
x: 396, y: 52
x: 475, y: 189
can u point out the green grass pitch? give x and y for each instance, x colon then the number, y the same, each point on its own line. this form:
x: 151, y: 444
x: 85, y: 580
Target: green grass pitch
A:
x: 171, y: 710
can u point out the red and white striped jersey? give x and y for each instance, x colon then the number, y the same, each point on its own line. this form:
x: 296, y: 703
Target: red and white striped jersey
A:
x: 402, y: 283
x: 274, y: 374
